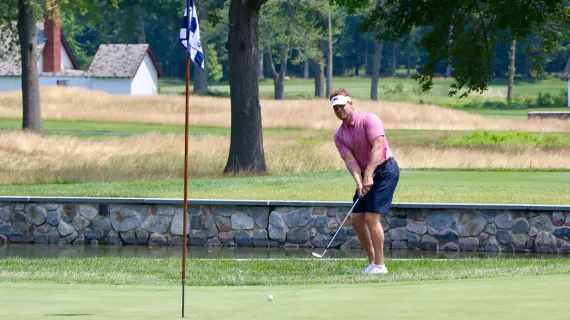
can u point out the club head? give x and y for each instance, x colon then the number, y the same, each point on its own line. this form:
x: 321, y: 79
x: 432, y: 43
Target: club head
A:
x: 318, y: 255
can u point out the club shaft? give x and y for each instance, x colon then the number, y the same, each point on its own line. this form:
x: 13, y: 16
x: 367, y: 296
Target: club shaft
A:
x: 354, y: 205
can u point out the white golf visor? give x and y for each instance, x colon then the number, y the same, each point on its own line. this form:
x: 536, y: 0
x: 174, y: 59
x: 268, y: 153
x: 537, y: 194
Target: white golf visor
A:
x: 340, y: 100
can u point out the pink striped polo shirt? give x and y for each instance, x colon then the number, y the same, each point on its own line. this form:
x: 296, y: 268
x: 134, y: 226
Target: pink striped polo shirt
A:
x: 358, y: 135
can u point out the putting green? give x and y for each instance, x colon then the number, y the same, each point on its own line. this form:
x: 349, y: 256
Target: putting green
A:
x: 540, y: 297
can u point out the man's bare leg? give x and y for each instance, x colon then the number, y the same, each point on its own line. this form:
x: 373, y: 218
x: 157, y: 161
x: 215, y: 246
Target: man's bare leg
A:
x: 376, y: 235
x: 358, y: 221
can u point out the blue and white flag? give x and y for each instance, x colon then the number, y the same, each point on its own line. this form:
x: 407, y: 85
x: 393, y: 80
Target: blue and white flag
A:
x: 190, y: 30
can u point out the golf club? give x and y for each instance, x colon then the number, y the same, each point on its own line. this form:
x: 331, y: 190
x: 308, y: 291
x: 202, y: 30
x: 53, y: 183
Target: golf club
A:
x: 321, y: 255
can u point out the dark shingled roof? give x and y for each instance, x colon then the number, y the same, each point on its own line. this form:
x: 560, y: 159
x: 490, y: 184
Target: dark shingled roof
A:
x: 11, y: 62
x: 10, y: 59
x: 111, y: 60
x: 120, y: 60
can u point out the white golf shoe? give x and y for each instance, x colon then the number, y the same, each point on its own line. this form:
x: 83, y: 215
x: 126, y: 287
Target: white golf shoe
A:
x: 368, y: 268
x: 379, y: 269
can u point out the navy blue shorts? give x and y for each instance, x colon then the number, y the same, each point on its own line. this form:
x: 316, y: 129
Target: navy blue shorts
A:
x: 379, y: 198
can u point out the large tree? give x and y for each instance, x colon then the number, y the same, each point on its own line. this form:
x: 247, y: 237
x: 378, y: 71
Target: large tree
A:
x: 246, y: 142
x: 478, y: 25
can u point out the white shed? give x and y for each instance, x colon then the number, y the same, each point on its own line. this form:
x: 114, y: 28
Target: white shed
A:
x: 129, y: 69
x: 56, y: 63
x: 125, y: 69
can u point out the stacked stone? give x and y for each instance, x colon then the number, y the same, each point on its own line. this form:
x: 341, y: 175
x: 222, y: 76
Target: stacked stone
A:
x: 77, y: 224
x: 292, y: 227
x: 289, y: 227
x: 162, y: 225
x: 479, y: 231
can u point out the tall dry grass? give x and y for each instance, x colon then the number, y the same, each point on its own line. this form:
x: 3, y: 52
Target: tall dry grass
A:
x: 28, y: 158
x: 82, y: 104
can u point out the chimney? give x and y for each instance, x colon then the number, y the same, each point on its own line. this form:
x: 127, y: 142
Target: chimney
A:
x: 52, y: 32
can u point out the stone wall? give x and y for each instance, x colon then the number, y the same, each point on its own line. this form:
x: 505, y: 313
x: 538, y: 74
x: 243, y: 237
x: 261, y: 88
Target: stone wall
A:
x: 563, y: 115
x: 492, y: 228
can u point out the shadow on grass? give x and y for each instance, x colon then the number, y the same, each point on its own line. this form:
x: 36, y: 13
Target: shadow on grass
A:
x: 69, y: 314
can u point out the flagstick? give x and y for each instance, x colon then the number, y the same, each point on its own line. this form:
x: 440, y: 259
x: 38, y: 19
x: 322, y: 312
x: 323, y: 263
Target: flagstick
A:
x: 185, y: 232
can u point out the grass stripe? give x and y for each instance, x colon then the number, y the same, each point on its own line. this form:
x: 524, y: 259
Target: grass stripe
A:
x: 230, y: 272
x: 417, y: 186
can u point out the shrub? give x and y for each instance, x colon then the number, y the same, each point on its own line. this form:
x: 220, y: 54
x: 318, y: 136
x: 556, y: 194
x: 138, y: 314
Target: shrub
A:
x: 544, y: 100
x: 490, y: 138
x: 562, y: 98
x: 300, y: 95
x: 397, y: 87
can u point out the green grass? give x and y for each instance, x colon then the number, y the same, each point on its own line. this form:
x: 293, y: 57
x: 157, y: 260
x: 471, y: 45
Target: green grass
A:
x: 94, y: 128
x: 511, y: 138
x: 359, y: 88
x: 143, y: 288
x: 101, y: 130
x: 533, y: 297
x: 263, y: 272
x: 522, y: 187
x: 512, y: 114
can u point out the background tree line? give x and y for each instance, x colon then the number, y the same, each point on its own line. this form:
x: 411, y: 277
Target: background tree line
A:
x: 463, y: 39
x: 294, y: 41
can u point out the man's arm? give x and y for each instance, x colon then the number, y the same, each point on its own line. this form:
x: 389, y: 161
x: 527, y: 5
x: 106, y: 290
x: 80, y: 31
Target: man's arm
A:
x: 376, y: 157
x: 354, y: 169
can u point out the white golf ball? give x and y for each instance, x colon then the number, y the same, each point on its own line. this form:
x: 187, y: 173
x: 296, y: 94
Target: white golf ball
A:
x: 269, y: 297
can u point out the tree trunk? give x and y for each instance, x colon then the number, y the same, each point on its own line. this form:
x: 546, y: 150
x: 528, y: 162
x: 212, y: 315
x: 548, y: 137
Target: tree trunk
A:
x: 376, y: 62
x: 140, y: 24
x: 260, y: 75
x: 512, y: 58
x: 278, y: 88
x: 278, y: 77
x: 319, y: 74
x: 27, y: 31
x: 330, y: 58
x: 246, y: 142
x: 356, y: 69
x: 366, y: 58
x: 528, y: 67
x: 201, y: 76
x: 409, y: 64
x: 306, y: 69
x: 394, y: 57
x: 448, y: 67
x: 378, y: 44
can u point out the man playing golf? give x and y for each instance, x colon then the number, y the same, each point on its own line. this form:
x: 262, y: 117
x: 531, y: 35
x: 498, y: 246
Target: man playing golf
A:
x: 363, y: 146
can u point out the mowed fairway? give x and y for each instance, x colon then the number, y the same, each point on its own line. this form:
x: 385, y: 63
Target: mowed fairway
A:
x: 512, y: 187
x: 538, y: 297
